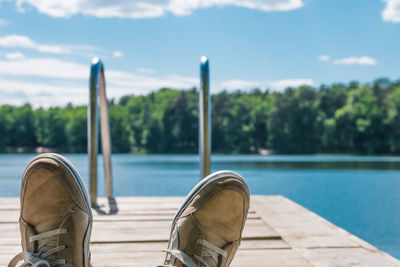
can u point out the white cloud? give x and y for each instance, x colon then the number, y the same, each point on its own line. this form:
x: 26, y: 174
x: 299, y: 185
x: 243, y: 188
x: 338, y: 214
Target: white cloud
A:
x: 148, y: 9
x: 44, y: 67
x: 22, y: 41
x: 25, y: 42
x: 324, y: 58
x: 356, y: 61
x: 240, y: 84
x: 118, y: 54
x: 45, y: 94
x: 145, y: 71
x: 127, y: 83
x: 392, y: 11
x: 52, y: 81
x: 280, y: 85
x: 14, y: 56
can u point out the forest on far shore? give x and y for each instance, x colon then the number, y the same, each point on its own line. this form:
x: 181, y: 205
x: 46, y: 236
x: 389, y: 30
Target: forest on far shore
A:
x: 340, y: 118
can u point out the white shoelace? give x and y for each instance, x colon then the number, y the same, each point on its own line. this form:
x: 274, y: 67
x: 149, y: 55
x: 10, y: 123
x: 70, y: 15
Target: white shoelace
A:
x: 47, y: 246
x: 211, y: 250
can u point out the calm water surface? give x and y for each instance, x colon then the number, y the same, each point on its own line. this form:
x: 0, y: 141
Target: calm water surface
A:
x: 360, y: 194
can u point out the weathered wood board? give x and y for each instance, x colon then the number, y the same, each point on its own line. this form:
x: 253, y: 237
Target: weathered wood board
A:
x: 278, y: 233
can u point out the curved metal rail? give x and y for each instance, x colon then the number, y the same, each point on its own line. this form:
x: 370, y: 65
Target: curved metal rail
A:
x: 98, y: 114
x: 204, y: 119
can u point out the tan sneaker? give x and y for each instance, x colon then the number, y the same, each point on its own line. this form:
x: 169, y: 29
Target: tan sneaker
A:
x: 56, y: 218
x: 208, y: 227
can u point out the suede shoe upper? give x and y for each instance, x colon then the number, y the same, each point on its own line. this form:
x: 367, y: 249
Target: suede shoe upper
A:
x: 207, y: 230
x: 56, y: 219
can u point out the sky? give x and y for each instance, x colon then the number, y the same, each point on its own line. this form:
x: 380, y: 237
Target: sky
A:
x: 46, y: 46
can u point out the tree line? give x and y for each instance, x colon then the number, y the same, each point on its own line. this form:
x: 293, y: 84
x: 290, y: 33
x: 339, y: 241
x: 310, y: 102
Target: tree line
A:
x: 340, y: 118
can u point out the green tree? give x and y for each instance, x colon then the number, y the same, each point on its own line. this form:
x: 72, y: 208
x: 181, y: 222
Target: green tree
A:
x: 76, y: 129
x: 50, y: 128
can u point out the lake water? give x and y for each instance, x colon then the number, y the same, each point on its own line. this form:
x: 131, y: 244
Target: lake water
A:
x: 359, y: 194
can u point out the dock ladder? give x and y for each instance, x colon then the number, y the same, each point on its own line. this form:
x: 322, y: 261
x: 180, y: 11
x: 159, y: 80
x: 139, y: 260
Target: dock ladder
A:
x: 98, y: 118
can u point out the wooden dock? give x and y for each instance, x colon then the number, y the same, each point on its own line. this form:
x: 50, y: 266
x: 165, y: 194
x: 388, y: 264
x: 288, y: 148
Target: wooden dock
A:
x: 278, y: 233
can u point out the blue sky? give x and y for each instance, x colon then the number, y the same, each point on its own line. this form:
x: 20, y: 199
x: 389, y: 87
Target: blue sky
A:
x: 46, y: 46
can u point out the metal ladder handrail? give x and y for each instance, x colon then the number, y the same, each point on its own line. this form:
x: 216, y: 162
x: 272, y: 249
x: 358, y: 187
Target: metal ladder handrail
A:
x: 98, y: 102
x: 204, y: 118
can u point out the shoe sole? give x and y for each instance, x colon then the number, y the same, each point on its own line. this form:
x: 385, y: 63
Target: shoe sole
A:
x: 210, y: 178
x: 63, y: 161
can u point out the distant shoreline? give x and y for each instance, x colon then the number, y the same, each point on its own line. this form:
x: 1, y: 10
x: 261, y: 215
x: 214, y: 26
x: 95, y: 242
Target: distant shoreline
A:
x: 354, y: 118
x: 49, y: 150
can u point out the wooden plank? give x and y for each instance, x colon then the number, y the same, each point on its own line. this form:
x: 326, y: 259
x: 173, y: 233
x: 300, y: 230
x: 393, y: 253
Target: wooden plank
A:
x: 160, y: 230
x: 11, y: 216
x: 326, y: 257
x: 299, y: 227
x: 317, y: 240
x: 125, y: 204
x: 159, y: 246
x: 131, y: 231
x: 138, y: 233
x: 108, y: 255
x: 133, y: 223
x: 9, y: 234
x: 138, y: 251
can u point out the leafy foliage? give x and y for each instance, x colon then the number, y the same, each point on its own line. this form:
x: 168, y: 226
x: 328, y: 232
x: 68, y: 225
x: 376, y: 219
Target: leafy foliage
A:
x: 340, y: 118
